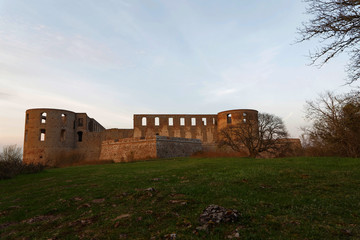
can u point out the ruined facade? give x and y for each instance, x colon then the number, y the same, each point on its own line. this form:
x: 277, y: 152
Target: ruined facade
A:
x: 52, y: 132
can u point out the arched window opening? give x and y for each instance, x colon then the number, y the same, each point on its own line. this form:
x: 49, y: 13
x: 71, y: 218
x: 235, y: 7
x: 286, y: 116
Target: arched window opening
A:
x: 43, y: 117
x: 42, y: 135
x: 203, y: 121
x: 244, y: 120
x: 143, y: 121
x: 214, y: 121
x: 193, y: 121
x: 244, y: 114
x: 171, y: 121
x: 182, y: 121
x: 228, y: 117
x: 80, y: 122
x: 62, y: 135
x: 80, y: 136
x: 157, y: 121
x: 63, y: 118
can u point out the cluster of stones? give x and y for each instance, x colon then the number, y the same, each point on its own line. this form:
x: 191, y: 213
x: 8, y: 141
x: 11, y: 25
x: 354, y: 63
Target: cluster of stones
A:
x: 215, y: 214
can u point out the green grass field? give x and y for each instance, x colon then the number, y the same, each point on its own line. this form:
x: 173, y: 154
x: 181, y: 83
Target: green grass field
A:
x: 291, y: 198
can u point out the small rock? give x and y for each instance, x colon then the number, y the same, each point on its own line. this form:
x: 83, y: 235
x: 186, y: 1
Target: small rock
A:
x: 100, y: 200
x: 85, y: 205
x: 150, y: 189
x: 235, y: 235
x: 170, y: 236
x: 122, y: 216
x: 181, y: 202
x: 204, y: 227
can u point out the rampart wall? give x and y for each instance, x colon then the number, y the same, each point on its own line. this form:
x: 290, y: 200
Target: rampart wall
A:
x: 132, y: 149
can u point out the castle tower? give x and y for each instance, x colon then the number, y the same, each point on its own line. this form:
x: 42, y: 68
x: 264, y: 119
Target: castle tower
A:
x: 234, y: 117
x: 47, y: 133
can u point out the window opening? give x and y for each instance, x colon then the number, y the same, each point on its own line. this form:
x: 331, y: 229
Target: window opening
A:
x: 62, y: 135
x: 42, y: 135
x: 80, y: 122
x: 143, y: 121
x: 171, y: 121
x: 244, y: 114
x: 244, y: 120
x: 27, y: 118
x: 228, y: 117
x: 157, y: 121
x: 203, y: 121
x: 43, y: 117
x: 91, y: 125
x: 80, y: 136
x: 63, y: 118
x: 214, y: 121
x: 182, y: 121
x: 193, y: 121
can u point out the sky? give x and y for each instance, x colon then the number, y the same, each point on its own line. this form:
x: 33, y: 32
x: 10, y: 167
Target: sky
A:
x: 115, y: 58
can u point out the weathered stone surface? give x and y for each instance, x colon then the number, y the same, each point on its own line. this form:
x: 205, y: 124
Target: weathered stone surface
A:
x: 131, y: 149
x: 218, y: 214
x: 215, y: 214
x: 52, y: 135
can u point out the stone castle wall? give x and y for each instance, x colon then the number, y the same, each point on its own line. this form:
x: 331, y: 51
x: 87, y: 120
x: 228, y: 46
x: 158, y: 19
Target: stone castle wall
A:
x: 167, y: 147
x: 128, y: 149
x: 191, y: 126
x: 49, y: 133
x: 132, y: 149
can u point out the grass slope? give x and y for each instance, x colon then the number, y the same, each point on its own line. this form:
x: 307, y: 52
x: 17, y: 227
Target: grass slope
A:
x: 292, y: 198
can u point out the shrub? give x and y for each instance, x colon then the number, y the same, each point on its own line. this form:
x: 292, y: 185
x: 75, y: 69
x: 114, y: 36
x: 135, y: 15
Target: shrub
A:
x: 11, y: 153
x: 11, y: 163
x: 9, y: 169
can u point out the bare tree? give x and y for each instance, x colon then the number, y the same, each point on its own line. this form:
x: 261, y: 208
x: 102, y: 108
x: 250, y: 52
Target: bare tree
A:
x: 336, y: 23
x: 335, y: 126
x: 264, y: 135
x: 11, y: 153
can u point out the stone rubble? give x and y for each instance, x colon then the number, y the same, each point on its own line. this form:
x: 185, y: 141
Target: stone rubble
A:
x: 215, y: 214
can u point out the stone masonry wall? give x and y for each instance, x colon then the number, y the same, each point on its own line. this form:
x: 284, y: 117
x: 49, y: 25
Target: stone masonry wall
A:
x: 131, y: 149
x: 194, y: 126
x: 176, y: 147
x: 128, y: 149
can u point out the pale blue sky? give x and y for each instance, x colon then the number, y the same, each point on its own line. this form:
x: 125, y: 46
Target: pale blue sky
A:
x: 115, y: 58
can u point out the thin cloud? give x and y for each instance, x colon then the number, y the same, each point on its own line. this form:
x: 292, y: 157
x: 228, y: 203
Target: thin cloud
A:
x: 38, y: 42
x: 241, y: 78
x: 4, y: 95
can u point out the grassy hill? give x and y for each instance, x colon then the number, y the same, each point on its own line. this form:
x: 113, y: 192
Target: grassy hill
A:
x: 291, y: 198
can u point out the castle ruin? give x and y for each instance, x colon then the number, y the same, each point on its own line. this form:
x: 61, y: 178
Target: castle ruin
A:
x: 52, y: 132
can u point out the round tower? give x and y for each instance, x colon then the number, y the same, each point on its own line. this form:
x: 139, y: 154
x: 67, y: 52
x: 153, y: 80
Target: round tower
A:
x: 47, y: 133
x: 238, y: 116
